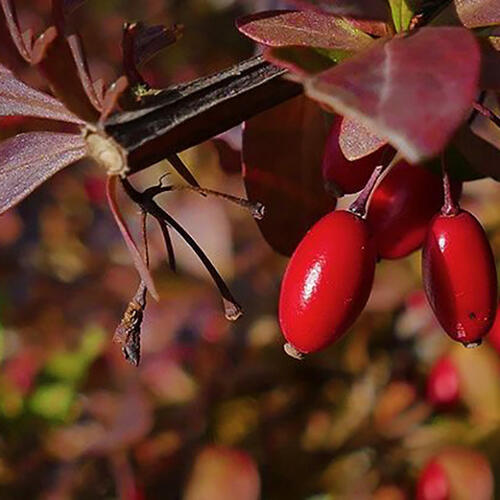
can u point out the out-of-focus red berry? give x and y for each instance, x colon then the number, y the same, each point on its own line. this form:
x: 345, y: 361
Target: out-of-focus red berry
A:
x: 443, y: 384
x: 433, y: 483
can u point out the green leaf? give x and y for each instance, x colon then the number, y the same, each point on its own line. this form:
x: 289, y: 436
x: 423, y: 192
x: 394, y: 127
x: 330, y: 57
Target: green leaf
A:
x: 402, y: 13
x: 67, y: 366
x: 52, y: 401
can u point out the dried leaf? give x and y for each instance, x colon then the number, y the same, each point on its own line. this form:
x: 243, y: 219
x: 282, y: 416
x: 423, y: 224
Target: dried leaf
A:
x: 28, y: 160
x: 306, y: 28
x: 135, y: 253
x: 17, y: 99
x: 430, y: 78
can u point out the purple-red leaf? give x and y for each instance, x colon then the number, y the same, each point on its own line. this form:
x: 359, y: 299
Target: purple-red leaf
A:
x: 55, y: 56
x: 356, y: 141
x: 414, y: 90
x: 363, y: 9
x: 23, y: 42
x: 17, y: 99
x: 306, y: 28
x: 282, y: 156
x: 137, y: 257
x: 28, y: 160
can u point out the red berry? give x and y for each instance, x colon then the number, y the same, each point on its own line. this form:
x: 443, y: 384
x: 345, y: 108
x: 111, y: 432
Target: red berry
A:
x: 402, y: 206
x: 494, y: 333
x: 459, y: 276
x: 433, y: 483
x: 327, y: 282
x: 341, y: 175
x: 443, y: 385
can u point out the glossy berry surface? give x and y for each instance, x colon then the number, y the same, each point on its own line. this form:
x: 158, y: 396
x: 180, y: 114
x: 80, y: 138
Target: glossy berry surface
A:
x: 443, y: 384
x: 433, y: 483
x: 459, y: 276
x: 402, y: 206
x: 341, y: 175
x: 327, y: 282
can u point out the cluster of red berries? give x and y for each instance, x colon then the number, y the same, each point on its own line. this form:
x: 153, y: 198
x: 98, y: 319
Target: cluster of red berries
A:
x: 330, y: 275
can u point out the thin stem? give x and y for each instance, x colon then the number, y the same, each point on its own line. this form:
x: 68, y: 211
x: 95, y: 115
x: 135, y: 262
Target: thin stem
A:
x: 450, y: 207
x: 182, y: 170
x: 486, y: 112
x: 168, y: 244
x: 256, y: 209
x: 359, y: 205
x: 146, y: 202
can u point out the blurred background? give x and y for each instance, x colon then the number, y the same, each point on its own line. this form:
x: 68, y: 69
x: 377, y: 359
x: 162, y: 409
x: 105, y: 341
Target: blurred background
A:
x: 216, y: 410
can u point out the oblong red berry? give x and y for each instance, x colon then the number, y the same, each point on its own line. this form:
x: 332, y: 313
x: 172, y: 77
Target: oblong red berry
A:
x: 327, y: 282
x: 433, y: 483
x: 341, y: 175
x: 459, y: 276
x: 402, y: 206
x: 443, y: 384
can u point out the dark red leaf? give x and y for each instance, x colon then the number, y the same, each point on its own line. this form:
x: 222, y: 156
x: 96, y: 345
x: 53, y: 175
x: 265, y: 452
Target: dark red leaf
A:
x: 141, y: 42
x: 490, y: 66
x: 482, y: 156
x: 303, y: 28
x: 363, y: 9
x: 55, y: 57
x: 28, y: 160
x: 414, y: 90
x: 137, y: 257
x: 282, y: 155
x: 356, y: 141
x: 17, y: 99
x: 471, y: 13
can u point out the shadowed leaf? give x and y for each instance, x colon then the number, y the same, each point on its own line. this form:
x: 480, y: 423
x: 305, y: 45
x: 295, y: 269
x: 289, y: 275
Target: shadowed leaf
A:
x: 302, y: 60
x: 470, y: 13
x: 282, y: 155
x: 28, y: 160
x: 306, y: 28
x: 135, y: 253
x: 430, y: 78
x: 17, y: 99
x: 482, y: 156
